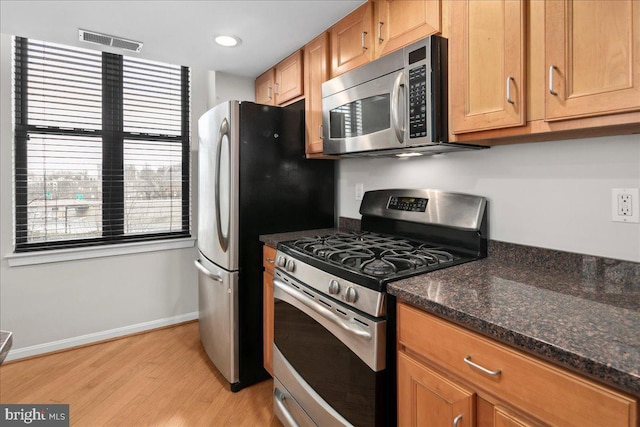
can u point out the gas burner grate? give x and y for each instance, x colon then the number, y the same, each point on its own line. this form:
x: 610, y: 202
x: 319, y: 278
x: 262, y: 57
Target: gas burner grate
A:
x: 374, y: 254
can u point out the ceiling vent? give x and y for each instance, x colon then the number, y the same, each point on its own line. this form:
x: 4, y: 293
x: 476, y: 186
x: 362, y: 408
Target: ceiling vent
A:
x: 107, y: 40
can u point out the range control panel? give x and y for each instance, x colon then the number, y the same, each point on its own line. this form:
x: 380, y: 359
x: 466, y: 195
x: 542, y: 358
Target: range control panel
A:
x: 418, y: 102
x: 410, y: 204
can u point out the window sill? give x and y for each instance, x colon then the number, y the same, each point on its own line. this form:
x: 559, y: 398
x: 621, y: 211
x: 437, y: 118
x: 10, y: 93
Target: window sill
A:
x: 61, y: 255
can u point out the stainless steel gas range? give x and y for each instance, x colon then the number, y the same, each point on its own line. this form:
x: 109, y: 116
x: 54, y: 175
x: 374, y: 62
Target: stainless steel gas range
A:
x: 334, y: 324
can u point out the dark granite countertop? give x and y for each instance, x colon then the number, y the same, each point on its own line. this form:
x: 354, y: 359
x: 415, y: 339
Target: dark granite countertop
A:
x: 578, y: 312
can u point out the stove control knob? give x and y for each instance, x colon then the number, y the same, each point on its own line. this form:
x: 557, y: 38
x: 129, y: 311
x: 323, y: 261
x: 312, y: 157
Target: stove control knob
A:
x: 281, y: 261
x: 290, y: 266
x: 334, y: 287
x: 351, y: 295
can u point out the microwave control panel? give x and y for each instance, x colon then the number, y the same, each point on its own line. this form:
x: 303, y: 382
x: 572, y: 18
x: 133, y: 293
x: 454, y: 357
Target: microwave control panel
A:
x: 418, y: 102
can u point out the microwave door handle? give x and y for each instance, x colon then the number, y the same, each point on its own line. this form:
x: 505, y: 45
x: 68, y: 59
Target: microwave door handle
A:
x: 224, y: 130
x: 395, y: 107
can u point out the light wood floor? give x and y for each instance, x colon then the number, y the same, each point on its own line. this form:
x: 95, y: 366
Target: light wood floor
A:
x: 160, y: 378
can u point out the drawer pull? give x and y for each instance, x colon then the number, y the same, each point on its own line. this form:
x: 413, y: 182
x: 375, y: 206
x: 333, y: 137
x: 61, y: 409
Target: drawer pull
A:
x: 270, y: 261
x: 468, y: 361
x: 457, y: 420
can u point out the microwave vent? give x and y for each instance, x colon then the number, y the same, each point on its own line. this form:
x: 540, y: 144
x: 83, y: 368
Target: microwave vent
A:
x: 107, y: 40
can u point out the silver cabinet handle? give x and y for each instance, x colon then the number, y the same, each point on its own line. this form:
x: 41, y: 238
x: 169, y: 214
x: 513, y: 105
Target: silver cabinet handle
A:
x: 457, y: 420
x: 551, y: 91
x: 276, y: 89
x: 509, y: 100
x: 468, y: 361
x: 320, y: 132
x: 279, y: 400
x: 364, y: 33
x: 380, y: 24
x: 270, y: 92
x: 270, y: 261
x: 298, y: 297
x: 206, y: 272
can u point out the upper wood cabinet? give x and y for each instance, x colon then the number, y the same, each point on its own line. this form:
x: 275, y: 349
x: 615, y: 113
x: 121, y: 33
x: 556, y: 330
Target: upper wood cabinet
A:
x: 487, y: 64
x: 282, y: 83
x: 352, y: 40
x: 288, y: 78
x: 264, y: 88
x: 578, y: 67
x: 400, y: 23
x: 316, y: 72
x: 592, y: 57
x: 379, y: 27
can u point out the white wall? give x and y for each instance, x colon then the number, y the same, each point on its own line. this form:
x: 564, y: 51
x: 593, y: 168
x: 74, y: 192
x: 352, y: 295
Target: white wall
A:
x: 551, y: 194
x: 58, y: 305
x: 226, y: 87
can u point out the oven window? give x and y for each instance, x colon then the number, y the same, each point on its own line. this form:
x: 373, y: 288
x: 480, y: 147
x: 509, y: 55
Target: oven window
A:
x: 360, y: 117
x: 343, y: 380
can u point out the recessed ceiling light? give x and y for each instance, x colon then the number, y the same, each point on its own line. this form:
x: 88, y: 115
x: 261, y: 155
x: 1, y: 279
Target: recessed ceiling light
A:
x: 227, y: 41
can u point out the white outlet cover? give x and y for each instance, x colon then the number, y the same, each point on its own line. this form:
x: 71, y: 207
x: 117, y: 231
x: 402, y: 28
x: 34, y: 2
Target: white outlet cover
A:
x: 635, y: 205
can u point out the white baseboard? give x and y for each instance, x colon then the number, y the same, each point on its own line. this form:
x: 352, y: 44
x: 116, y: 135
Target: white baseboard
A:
x: 66, y: 343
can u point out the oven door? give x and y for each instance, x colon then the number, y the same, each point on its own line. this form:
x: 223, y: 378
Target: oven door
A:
x: 329, y: 359
x: 366, y: 117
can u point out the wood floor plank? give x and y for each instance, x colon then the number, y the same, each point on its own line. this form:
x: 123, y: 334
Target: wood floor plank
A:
x: 161, y: 378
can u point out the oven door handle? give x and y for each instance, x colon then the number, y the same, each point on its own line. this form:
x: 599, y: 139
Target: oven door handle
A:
x: 279, y: 398
x: 322, y: 311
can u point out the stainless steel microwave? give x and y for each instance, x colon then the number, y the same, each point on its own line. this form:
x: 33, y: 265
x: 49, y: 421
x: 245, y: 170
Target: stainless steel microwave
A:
x: 395, y: 105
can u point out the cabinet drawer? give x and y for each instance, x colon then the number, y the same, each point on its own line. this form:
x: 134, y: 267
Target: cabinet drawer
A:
x: 547, y: 392
x: 268, y: 258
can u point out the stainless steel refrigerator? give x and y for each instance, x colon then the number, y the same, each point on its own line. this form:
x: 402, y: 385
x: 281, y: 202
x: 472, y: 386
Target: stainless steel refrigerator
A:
x: 253, y: 179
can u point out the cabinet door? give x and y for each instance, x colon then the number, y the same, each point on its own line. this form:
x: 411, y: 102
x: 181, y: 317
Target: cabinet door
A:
x: 487, y: 64
x: 352, y: 41
x: 502, y: 417
x: 264, y: 88
x: 400, y: 23
x: 592, y: 57
x: 288, y: 78
x: 426, y: 398
x: 316, y: 72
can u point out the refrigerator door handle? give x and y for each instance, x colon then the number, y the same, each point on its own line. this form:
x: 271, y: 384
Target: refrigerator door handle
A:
x: 224, y: 130
x: 206, y: 272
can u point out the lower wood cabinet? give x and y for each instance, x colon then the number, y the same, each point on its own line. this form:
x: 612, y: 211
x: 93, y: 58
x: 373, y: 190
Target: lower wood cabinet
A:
x: 427, y: 398
x: 449, y: 376
x: 268, y: 257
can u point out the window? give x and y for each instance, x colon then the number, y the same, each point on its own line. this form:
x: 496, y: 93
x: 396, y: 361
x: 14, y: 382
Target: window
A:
x: 101, y: 148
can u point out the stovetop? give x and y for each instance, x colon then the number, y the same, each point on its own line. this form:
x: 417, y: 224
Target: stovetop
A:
x: 372, y: 259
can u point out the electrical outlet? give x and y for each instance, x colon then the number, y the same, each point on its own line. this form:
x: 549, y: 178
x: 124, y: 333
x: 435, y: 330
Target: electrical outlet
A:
x: 359, y: 191
x: 625, y: 204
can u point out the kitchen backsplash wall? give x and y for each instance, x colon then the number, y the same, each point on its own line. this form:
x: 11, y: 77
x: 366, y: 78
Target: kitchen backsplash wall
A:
x: 555, y: 195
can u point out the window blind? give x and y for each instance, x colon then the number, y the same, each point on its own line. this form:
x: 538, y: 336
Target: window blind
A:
x: 101, y: 148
